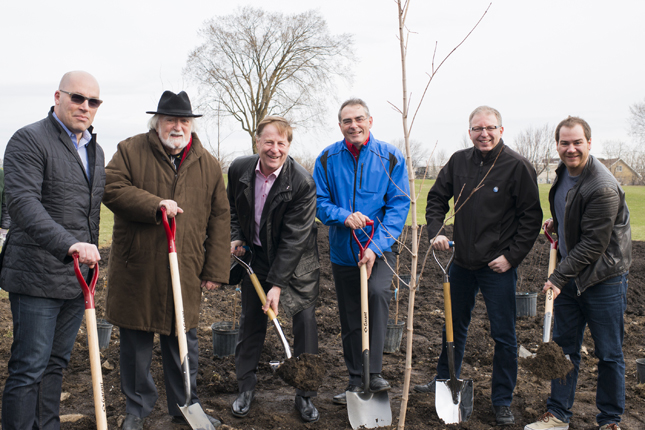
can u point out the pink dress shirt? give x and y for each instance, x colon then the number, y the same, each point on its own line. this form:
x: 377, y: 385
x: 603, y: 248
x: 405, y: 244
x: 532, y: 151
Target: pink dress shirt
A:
x: 263, y: 185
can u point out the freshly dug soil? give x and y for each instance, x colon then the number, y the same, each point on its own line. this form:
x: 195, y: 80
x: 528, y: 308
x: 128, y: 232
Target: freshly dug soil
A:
x: 305, y: 372
x: 274, y: 404
x: 548, y: 363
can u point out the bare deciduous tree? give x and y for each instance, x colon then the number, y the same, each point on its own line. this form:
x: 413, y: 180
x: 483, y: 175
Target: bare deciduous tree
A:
x: 616, y: 149
x: 536, y: 144
x: 419, y: 152
x: 254, y: 63
x: 637, y: 121
x: 402, y: 11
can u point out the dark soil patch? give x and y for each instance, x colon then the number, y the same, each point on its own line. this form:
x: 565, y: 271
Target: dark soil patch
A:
x: 305, y: 372
x: 274, y: 407
x: 548, y: 363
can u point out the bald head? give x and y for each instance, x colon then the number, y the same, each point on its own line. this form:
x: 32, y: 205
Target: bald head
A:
x: 70, y: 77
x: 77, y: 117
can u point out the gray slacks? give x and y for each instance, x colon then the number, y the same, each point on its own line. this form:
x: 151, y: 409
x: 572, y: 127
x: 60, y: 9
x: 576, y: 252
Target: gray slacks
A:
x: 136, y: 380
x: 348, y: 292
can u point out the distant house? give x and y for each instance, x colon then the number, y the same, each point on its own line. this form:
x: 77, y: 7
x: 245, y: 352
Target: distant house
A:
x: 622, y: 171
x: 548, y: 174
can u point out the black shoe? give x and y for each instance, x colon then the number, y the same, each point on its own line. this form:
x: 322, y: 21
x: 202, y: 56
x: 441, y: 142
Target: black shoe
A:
x: 179, y: 419
x: 308, y: 411
x: 426, y: 388
x: 378, y: 384
x: 132, y: 422
x: 242, y: 405
x: 503, y: 415
x: 341, y: 399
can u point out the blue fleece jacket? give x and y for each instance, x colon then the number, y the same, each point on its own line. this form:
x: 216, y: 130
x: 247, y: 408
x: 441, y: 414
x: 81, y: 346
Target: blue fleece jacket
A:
x: 346, y: 185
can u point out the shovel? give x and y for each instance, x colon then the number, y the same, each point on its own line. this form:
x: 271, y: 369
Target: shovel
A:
x: 93, y: 343
x: 194, y: 414
x: 548, y: 306
x: 453, y: 397
x: 263, y: 298
x: 367, y: 409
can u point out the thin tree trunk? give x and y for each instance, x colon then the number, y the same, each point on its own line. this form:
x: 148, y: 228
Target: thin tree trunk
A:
x: 414, y: 227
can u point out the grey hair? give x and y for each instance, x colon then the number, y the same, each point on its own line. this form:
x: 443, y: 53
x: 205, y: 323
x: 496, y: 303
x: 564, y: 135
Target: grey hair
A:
x: 485, y: 109
x: 154, y: 121
x: 354, y: 102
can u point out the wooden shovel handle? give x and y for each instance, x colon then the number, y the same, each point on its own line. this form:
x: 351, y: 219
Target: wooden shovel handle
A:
x: 553, y: 256
x: 447, y: 304
x: 95, y: 366
x: 261, y: 294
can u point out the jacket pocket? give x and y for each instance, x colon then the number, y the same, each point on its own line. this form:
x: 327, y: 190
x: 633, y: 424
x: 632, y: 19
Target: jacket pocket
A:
x: 306, y: 265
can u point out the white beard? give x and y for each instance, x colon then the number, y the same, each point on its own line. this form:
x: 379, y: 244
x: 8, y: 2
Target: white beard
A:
x: 175, y: 142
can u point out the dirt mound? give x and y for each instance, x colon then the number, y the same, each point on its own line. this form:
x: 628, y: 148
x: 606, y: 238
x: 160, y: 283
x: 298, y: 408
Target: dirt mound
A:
x: 305, y: 372
x: 548, y: 363
x: 274, y: 407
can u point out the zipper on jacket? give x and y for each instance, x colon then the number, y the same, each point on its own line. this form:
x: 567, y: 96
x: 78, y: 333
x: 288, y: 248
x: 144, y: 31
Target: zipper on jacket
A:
x: 360, y: 183
x: 354, y: 199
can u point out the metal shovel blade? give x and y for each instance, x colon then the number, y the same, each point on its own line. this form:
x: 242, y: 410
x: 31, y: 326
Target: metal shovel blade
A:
x: 449, y: 411
x: 196, y: 417
x: 368, y: 410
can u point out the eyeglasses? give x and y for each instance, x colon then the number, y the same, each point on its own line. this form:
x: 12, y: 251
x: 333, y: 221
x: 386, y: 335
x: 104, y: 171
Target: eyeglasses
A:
x: 79, y: 99
x: 359, y: 120
x: 480, y: 129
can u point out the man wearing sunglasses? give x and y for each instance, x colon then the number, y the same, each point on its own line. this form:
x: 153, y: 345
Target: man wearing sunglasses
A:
x: 495, y: 228
x: 54, y: 181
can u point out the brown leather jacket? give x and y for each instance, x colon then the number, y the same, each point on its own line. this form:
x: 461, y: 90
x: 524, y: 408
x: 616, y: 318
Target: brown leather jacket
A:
x: 597, y: 230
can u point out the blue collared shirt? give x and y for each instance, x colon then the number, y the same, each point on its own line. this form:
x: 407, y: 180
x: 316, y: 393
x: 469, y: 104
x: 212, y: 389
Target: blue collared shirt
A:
x: 81, y: 147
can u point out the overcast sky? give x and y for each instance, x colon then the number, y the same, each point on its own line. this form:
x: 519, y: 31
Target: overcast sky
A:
x: 535, y: 61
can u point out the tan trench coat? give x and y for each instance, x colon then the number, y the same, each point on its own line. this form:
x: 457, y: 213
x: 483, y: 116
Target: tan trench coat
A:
x: 139, y: 176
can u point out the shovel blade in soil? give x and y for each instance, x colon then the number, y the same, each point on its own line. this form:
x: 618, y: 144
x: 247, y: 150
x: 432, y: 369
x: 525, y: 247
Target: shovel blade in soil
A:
x: 196, y: 417
x: 369, y: 410
x: 449, y: 411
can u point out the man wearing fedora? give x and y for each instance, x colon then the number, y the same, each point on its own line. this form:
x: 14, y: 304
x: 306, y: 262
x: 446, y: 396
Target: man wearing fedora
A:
x: 165, y: 167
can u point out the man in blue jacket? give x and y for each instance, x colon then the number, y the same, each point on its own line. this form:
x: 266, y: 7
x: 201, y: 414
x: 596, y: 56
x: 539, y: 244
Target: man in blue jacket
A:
x: 360, y: 179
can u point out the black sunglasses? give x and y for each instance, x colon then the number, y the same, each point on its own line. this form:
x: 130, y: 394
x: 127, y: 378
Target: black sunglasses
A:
x: 79, y: 99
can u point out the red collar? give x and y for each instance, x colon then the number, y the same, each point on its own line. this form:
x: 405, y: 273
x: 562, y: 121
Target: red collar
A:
x: 353, y: 149
x: 190, y: 143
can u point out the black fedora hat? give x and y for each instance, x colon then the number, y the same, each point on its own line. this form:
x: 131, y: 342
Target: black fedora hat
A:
x: 172, y: 104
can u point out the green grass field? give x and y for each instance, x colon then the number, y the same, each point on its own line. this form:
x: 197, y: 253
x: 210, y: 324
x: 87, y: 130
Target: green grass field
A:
x: 635, y: 196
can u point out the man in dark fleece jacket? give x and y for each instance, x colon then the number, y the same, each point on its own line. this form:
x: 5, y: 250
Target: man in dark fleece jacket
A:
x: 495, y: 228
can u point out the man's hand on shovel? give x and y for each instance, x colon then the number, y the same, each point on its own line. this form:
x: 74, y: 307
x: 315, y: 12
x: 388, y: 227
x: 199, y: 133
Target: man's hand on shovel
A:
x: 172, y: 209
x: 87, y: 253
x: 368, y: 259
x: 273, y: 299
x: 548, y: 285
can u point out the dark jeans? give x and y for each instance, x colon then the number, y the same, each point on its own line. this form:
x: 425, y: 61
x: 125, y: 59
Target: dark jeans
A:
x: 136, y: 380
x: 44, y: 331
x: 601, y: 307
x: 348, y: 292
x: 498, y: 290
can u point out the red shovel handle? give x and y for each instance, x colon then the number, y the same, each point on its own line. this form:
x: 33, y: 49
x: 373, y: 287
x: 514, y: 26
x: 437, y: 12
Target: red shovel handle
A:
x: 88, y: 292
x: 361, y: 247
x: 170, y: 227
x: 554, y: 243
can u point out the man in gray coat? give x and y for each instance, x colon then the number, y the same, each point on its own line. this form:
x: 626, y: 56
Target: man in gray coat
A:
x: 54, y: 181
